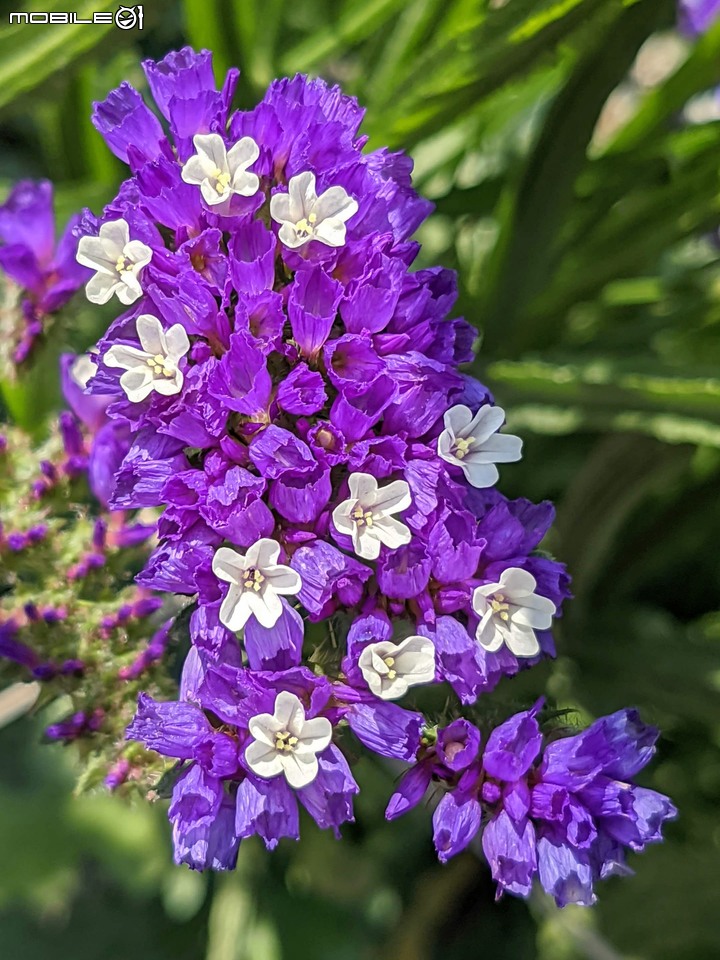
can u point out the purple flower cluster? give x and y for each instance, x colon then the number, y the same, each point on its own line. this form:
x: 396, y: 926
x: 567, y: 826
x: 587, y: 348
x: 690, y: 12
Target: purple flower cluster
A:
x: 563, y: 812
x: 291, y: 396
x: 48, y: 274
x: 697, y: 16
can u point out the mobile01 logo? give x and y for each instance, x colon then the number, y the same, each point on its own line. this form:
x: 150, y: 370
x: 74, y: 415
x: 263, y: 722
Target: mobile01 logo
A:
x: 124, y: 18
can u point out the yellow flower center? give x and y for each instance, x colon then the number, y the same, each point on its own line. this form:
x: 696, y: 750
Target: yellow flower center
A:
x: 222, y: 180
x: 500, y: 607
x: 285, y: 742
x: 462, y: 446
x: 253, y: 580
x: 306, y: 226
x: 361, y: 517
x: 161, y: 366
x: 390, y: 662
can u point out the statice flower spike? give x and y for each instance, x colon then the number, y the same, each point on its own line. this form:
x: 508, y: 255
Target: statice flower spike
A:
x: 367, y: 515
x: 305, y: 216
x: 117, y: 260
x: 390, y: 669
x: 286, y: 743
x: 220, y: 172
x: 155, y: 366
x: 510, y: 612
x: 257, y: 581
x: 474, y: 444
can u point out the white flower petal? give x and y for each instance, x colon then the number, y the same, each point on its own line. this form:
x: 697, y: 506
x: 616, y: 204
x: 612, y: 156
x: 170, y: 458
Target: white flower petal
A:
x: 517, y: 583
x: 177, y: 342
x: 289, y: 712
x: 335, y: 204
x: 284, y: 580
x: 486, y: 421
x: 127, y: 357
x: 150, y: 333
x: 331, y: 232
x: 392, y: 532
x: 280, y: 207
x: 315, y: 735
x: 457, y: 419
x: 392, y: 498
x: 169, y: 387
x: 139, y: 253
x: 264, y: 552
x: 228, y: 565
x: 115, y: 234
x: 480, y: 475
x: 211, y: 149
x: 100, y: 288
x: 522, y: 642
x: 91, y: 253
x: 263, y: 760
x: 363, y: 487
x: 300, y: 772
x: 366, y: 543
x: 196, y: 169
x: 137, y: 383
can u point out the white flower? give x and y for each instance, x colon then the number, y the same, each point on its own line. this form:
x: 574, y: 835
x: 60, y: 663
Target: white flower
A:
x: 510, y: 612
x: 367, y: 515
x: 83, y: 370
x: 221, y: 172
x: 155, y: 367
x: 305, y: 216
x: 285, y: 742
x: 390, y: 669
x: 473, y: 443
x: 118, y: 261
x: 257, y: 581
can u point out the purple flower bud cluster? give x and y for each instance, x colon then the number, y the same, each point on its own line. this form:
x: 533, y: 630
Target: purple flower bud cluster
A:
x: 47, y: 273
x: 288, y: 390
x: 562, y: 811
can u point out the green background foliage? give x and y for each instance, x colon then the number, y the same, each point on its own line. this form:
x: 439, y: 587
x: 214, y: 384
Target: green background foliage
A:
x: 580, y: 205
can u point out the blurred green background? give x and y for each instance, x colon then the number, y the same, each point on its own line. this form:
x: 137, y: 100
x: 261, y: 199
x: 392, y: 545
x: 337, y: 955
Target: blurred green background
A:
x: 572, y: 148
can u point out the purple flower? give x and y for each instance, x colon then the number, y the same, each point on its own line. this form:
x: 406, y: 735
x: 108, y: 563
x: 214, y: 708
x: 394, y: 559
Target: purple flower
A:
x: 559, y: 812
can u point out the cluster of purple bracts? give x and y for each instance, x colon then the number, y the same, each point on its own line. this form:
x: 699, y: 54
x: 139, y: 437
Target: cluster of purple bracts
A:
x: 290, y: 393
x: 46, y: 272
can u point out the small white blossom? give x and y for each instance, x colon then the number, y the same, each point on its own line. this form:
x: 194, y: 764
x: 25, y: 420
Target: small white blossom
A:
x: 367, y: 515
x: 510, y: 612
x: 390, y: 669
x: 117, y: 260
x: 220, y: 172
x: 305, y: 216
x: 257, y: 581
x: 286, y: 743
x: 155, y: 366
x: 83, y: 370
x: 473, y: 443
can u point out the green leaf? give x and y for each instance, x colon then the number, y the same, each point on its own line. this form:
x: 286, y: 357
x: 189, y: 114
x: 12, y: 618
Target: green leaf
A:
x: 699, y: 72
x: 606, y: 394
x: 526, y: 252
x: 31, y: 56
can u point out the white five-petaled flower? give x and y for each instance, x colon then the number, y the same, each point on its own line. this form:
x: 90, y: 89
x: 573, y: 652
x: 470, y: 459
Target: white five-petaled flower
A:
x: 390, y: 669
x: 155, y: 366
x: 257, y: 581
x: 117, y: 260
x: 221, y: 172
x: 474, y: 444
x: 304, y: 216
x: 285, y: 742
x: 510, y: 612
x: 367, y: 515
